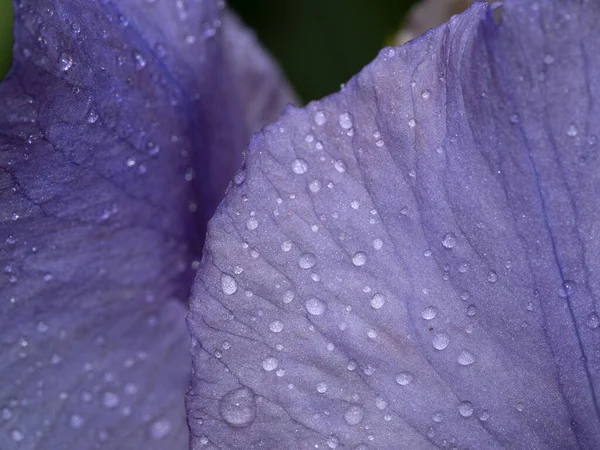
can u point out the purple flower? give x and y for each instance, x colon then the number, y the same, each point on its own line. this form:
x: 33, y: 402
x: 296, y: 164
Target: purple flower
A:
x: 409, y: 263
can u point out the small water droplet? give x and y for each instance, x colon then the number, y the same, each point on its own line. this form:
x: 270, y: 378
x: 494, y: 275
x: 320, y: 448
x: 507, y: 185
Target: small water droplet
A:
x: 340, y: 166
x: 345, y: 121
x: 593, y: 320
x: 465, y: 409
x: 238, y: 407
x: 567, y: 289
x: 377, y: 244
x: 437, y: 417
x: 359, y: 259
x: 520, y: 406
x: 515, y: 119
x: 252, y: 224
x: 76, y: 421
x: 270, y: 364
x: 320, y: 118
x: 449, y: 240
x: 307, y: 261
x: 404, y: 378
x: 287, y: 296
x: 228, y: 284
x: 412, y: 123
x: 17, y: 435
x: 140, y: 62
x: 572, y: 130
x: 549, y: 59
x: 92, y: 117
x: 110, y: 400
x: 429, y: 313
x: 465, y: 358
x: 315, y: 306
x: 471, y: 310
x: 377, y: 301
x: 484, y: 415
x: 276, y: 326
x: 441, y: 341
x: 299, y: 166
x: 65, y: 61
x: 321, y: 387
x: 492, y: 276
x: 159, y: 429
x: 354, y: 415
x: 425, y: 94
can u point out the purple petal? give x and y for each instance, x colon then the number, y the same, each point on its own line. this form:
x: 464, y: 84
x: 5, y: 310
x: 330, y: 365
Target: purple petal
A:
x: 413, y: 262
x: 110, y: 120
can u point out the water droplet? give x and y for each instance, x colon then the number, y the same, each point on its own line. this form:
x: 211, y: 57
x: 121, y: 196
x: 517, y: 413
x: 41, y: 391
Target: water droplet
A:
x: 299, y: 166
x: 354, y: 415
x: 276, y: 326
x: 287, y: 296
x: 377, y: 244
x: 520, y: 406
x: 549, y: 59
x: 42, y: 327
x: 270, y: 364
x: 321, y: 387
x: 449, y: 240
x: 441, y: 341
x: 492, y: 276
x: 92, y: 117
x: 17, y: 435
x: 471, y: 310
x: 228, y: 284
x: 332, y: 442
x: 593, y: 320
x: 76, y: 421
x: 465, y: 409
x: 307, y: 261
x: 359, y: 259
x: 404, y: 378
x: 238, y: 407
x: 465, y: 358
x: 65, y: 61
x: 110, y: 400
x: 340, y: 166
x: 437, y: 417
x: 314, y: 186
x: 572, y: 130
x: 315, y: 306
x: 252, y: 224
x: 515, y: 119
x: 484, y: 415
x: 412, y: 123
x: 567, y: 289
x: 377, y: 301
x: 320, y: 118
x: 160, y: 429
x: 140, y: 62
x: 429, y: 313
x: 345, y: 121
x: 381, y: 403
x: 286, y: 246
x: 425, y: 94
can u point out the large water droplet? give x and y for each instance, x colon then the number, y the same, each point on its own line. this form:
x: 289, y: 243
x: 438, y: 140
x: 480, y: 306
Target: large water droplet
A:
x: 466, y: 358
x: 377, y: 301
x: 404, y: 378
x: 299, y: 166
x: 321, y: 387
x: 315, y: 306
x: 287, y: 296
x: 270, y: 364
x: 449, y: 240
x: 345, y: 121
x: 354, y: 415
x: 252, y: 224
x: 307, y: 261
x: 238, y: 407
x: 465, y: 409
x: 429, y: 313
x: 276, y: 326
x: 228, y: 284
x: 359, y: 259
x: 441, y: 341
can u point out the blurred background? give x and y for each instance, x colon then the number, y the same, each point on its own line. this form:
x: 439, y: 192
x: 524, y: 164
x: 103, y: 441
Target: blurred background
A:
x: 318, y: 43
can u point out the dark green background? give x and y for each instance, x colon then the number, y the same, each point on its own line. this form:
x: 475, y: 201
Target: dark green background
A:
x: 319, y: 43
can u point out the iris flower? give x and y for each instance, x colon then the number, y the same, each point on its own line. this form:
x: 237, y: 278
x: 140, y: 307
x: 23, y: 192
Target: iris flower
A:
x: 409, y: 263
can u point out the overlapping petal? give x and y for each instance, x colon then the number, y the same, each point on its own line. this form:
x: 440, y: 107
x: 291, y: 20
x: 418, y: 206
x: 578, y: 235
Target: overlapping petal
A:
x: 413, y: 262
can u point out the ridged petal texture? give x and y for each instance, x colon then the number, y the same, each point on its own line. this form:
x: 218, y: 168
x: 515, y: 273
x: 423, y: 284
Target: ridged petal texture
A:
x: 413, y: 262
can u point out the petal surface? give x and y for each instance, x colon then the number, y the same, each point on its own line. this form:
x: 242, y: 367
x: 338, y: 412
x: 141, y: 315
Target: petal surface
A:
x: 118, y: 134
x: 413, y: 262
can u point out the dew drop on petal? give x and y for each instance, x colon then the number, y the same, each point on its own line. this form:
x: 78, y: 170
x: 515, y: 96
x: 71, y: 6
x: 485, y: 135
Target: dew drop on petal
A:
x: 315, y: 306
x: 359, y: 259
x: 354, y: 415
x: 238, y: 407
x: 228, y: 284
x: 320, y: 118
x: 307, y: 261
x: 404, y: 378
x: 465, y: 409
x: 593, y: 320
x: 159, y: 429
x: 377, y: 301
x: 299, y: 166
x: 276, y: 326
x: 429, y: 313
x: 65, y: 61
x: 441, y: 341
x: 465, y: 358
x: 270, y: 364
x: 345, y: 121
x: 449, y: 240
